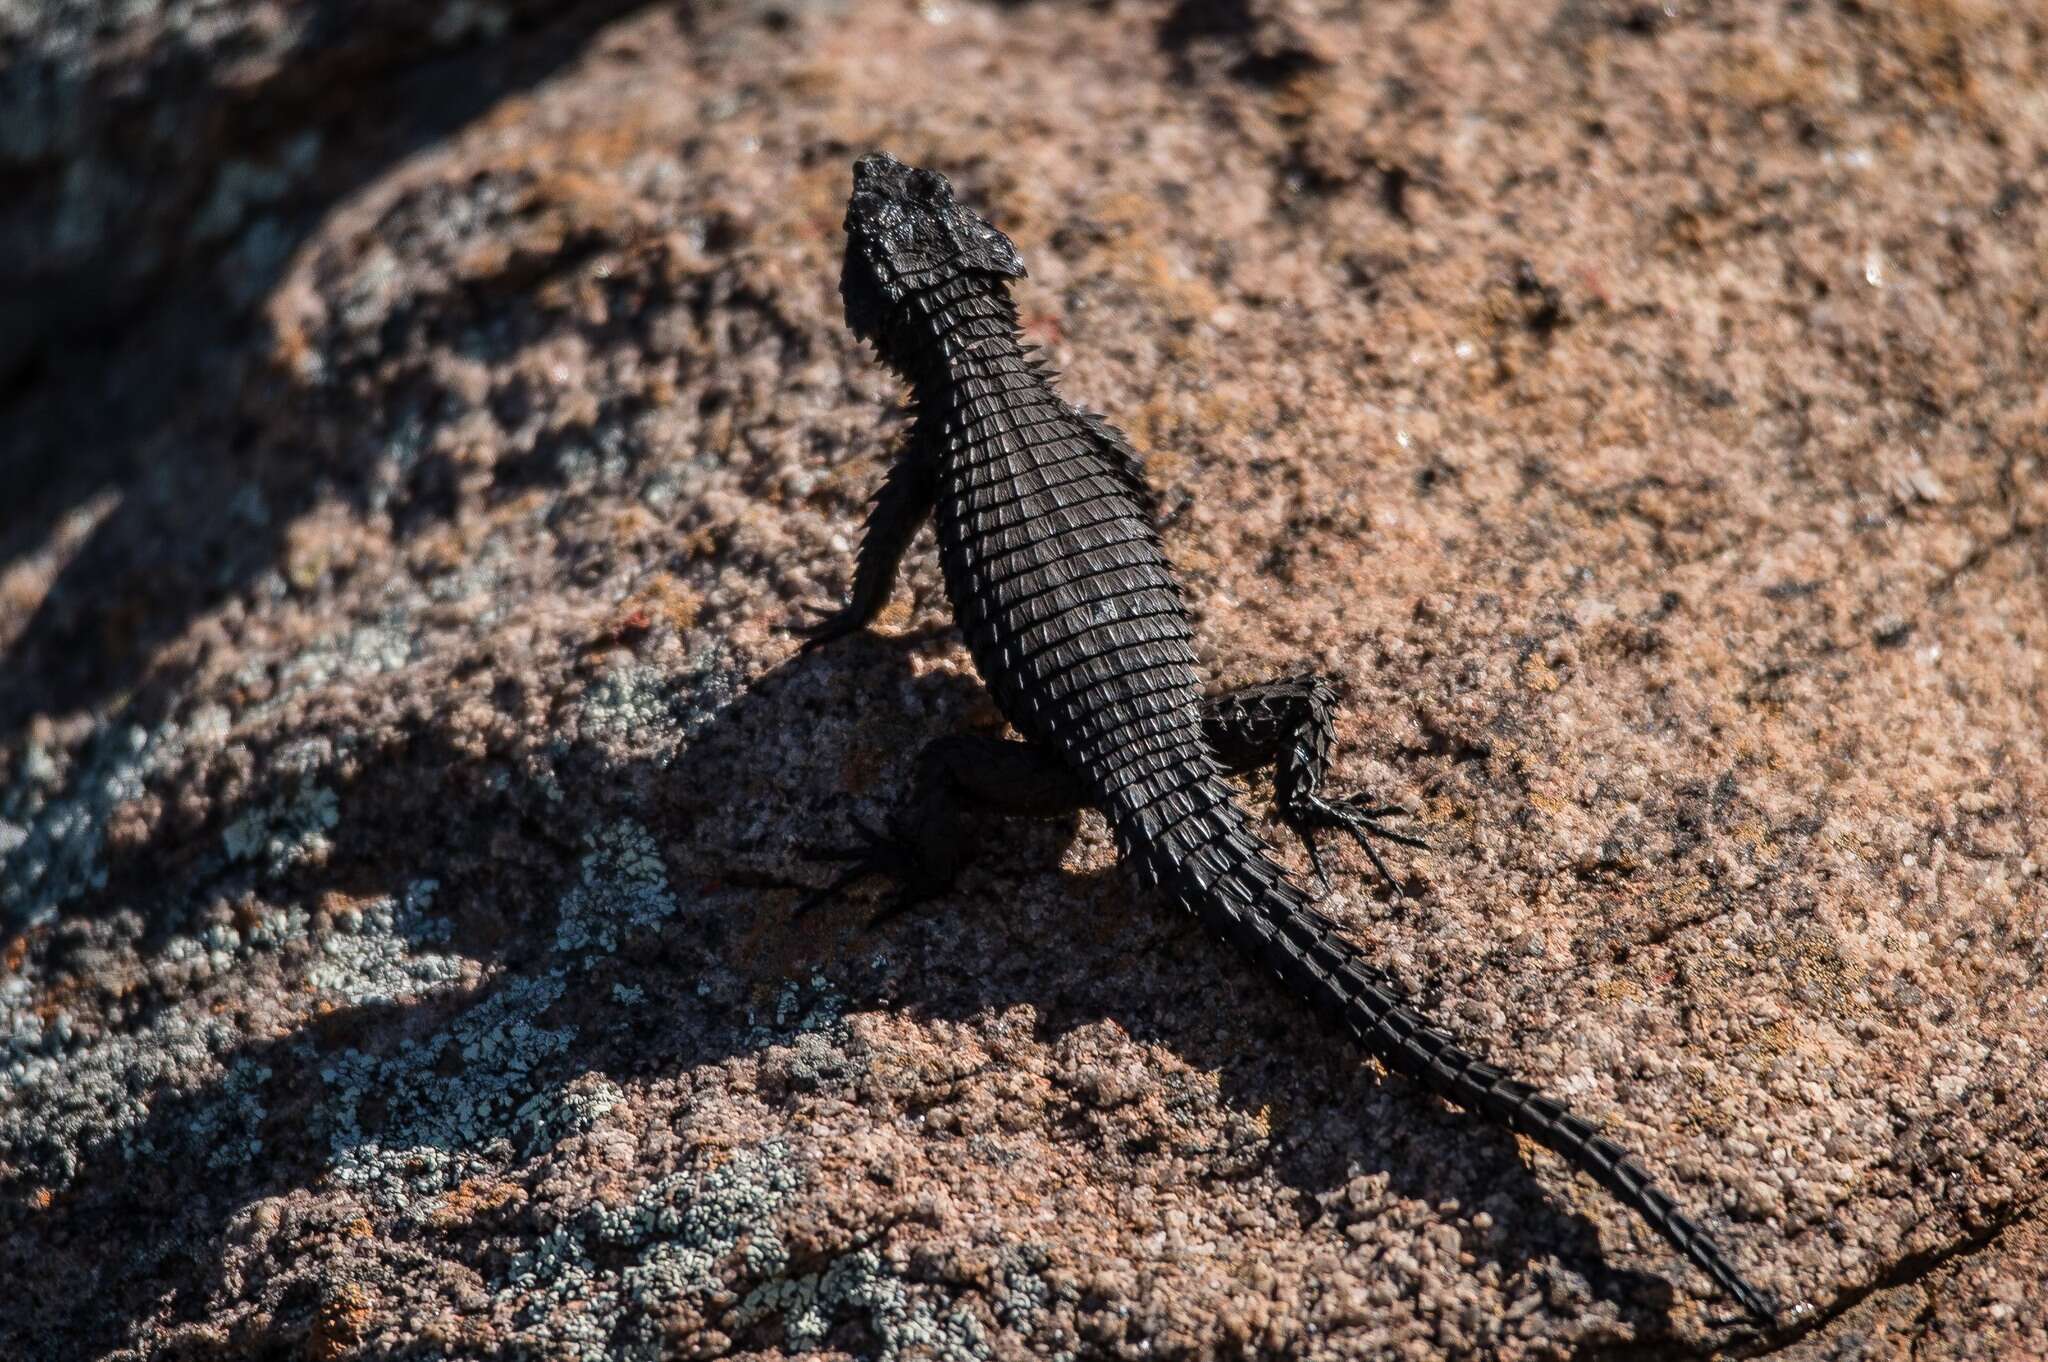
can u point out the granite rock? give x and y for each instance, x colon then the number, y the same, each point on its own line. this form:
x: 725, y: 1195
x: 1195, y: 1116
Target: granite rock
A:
x: 405, y: 763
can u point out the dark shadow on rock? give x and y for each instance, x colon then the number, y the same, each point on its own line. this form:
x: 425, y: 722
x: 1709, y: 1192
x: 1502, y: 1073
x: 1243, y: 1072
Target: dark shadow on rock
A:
x: 349, y: 1088
x: 123, y: 383
x: 1256, y: 42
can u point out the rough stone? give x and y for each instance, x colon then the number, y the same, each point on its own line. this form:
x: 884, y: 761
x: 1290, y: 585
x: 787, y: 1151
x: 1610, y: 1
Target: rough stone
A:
x: 405, y: 762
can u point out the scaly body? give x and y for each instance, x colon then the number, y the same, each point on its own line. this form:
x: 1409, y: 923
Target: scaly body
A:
x: 1053, y: 562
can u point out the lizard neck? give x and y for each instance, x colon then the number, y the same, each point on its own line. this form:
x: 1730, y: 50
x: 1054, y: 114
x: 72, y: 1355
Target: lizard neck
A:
x: 964, y: 329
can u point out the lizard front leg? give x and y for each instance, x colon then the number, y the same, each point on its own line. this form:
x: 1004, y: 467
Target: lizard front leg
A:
x: 1290, y: 726
x: 924, y: 847
x: 902, y: 505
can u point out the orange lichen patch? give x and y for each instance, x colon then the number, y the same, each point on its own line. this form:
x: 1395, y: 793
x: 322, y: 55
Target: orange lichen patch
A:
x: 1775, y: 1039
x: 706, y: 541
x: 509, y: 115
x: 664, y: 598
x: 813, y: 81
x: 340, y: 1323
x: 1169, y: 420
x: 1820, y: 975
x: 1671, y: 899
x: 1618, y: 989
x: 607, y: 143
x: 293, y: 352
x: 74, y: 992
x: 896, y: 614
x: 473, y: 1199
x: 336, y: 904
x: 1184, y: 295
x: 440, y: 548
x: 1752, y: 833
x: 634, y: 521
x: 1929, y: 46
x: 1121, y: 213
x: 1318, y: 95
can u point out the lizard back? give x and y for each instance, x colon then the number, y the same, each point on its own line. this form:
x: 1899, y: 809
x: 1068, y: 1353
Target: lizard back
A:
x: 1058, y: 580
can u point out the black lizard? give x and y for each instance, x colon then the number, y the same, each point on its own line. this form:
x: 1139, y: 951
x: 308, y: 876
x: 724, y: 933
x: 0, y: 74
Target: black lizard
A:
x: 1053, y: 561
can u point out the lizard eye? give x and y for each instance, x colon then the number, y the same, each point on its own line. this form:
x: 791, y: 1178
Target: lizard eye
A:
x: 926, y: 185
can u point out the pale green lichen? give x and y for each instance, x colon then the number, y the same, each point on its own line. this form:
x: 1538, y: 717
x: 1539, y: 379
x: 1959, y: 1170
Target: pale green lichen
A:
x: 473, y: 1094
x: 63, y: 1099
x: 629, y: 710
x: 548, y: 1118
x: 621, y: 888
x: 858, y: 1286
x: 53, y: 830
x: 599, y: 1285
x: 387, y: 949
x: 445, y: 1100
x: 53, y: 818
x: 802, y: 1008
x: 674, y: 1238
x: 286, y: 832
x: 358, y: 653
x: 1026, y: 1296
x: 226, y: 1125
x: 652, y: 711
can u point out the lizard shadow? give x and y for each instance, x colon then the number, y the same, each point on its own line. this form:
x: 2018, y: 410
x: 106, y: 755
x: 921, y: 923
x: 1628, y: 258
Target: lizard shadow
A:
x: 1093, y: 946
x: 439, y: 1034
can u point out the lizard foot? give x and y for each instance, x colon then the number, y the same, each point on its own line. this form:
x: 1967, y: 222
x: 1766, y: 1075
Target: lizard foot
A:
x: 879, y: 853
x: 827, y: 625
x: 1358, y: 817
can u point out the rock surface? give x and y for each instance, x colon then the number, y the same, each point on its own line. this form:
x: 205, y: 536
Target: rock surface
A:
x: 403, y: 758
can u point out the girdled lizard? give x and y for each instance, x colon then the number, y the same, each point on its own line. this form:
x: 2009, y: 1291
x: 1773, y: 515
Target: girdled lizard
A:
x: 1053, y: 561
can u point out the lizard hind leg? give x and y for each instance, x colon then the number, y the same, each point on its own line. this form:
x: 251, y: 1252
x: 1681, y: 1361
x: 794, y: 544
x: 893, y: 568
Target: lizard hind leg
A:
x: 1290, y: 725
x: 924, y: 846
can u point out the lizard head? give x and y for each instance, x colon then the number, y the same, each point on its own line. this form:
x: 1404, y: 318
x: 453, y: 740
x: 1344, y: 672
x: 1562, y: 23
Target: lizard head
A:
x: 905, y: 232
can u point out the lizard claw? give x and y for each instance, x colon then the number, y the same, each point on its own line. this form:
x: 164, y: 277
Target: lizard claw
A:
x: 862, y: 860
x: 1361, y: 819
x: 830, y: 623
x: 880, y: 853
x: 817, y: 898
x: 1306, y: 831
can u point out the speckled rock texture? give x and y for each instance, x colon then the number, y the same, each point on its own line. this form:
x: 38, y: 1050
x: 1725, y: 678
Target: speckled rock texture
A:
x: 405, y: 763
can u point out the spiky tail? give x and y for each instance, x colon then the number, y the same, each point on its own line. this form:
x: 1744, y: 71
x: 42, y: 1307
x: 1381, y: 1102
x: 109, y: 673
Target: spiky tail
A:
x: 1225, y: 876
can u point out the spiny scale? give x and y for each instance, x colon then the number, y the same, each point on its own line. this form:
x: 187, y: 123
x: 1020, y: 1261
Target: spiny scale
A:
x: 1053, y: 563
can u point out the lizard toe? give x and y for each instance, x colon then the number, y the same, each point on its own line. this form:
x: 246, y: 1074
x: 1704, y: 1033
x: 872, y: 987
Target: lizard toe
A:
x: 1359, y: 819
x: 828, y: 624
